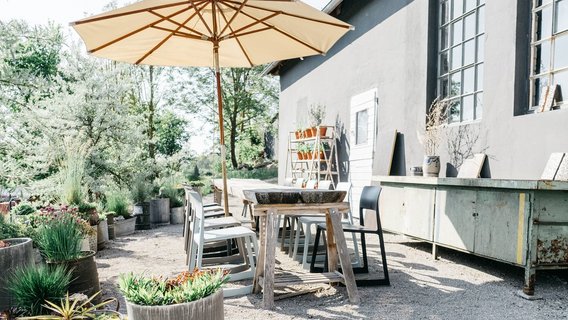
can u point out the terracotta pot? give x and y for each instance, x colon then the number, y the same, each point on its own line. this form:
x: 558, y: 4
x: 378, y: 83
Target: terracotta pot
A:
x: 431, y: 166
x: 314, y: 131
x: 300, y: 155
x: 208, y: 308
x: 322, y: 131
x: 308, y: 133
x: 298, y: 135
x: 321, y: 155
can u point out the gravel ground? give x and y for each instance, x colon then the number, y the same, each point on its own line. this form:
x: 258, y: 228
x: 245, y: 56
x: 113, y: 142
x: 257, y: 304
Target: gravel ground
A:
x: 457, y: 286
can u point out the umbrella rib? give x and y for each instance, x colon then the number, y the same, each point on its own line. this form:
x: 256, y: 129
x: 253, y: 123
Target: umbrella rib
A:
x: 201, y: 18
x: 255, y: 23
x: 249, y: 32
x: 279, y: 31
x: 134, y: 32
x: 237, y: 39
x: 346, y: 26
x: 116, y: 15
x: 232, y: 18
x: 199, y: 34
x: 163, y: 41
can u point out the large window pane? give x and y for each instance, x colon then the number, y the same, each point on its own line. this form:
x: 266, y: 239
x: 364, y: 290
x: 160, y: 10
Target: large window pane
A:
x: 480, y: 48
x: 456, y: 57
x: 457, y: 9
x: 544, y: 23
x: 469, y: 52
x: 561, y: 15
x: 478, y: 105
x: 479, y: 77
x: 457, y: 32
x: 444, y: 12
x: 469, y: 26
x: 561, y: 52
x: 444, y: 38
x: 561, y: 79
x: 470, y: 5
x: 467, y: 108
x: 468, y: 80
x: 481, y: 20
x: 542, y: 62
x: 444, y: 63
x: 454, y: 113
x: 455, y: 84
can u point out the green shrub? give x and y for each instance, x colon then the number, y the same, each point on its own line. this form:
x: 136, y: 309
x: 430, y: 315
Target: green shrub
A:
x: 23, y: 209
x: 8, y: 230
x: 140, y: 191
x: 33, y: 285
x: 186, y: 287
x: 60, y: 239
x: 169, y: 191
x: 117, y: 203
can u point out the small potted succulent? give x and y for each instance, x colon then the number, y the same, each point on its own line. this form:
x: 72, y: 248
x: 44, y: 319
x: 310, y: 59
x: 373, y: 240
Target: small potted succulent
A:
x: 191, y: 295
x: 317, y: 114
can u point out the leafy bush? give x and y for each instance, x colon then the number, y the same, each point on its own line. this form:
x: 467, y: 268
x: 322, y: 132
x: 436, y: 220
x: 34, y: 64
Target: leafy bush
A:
x: 186, y: 287
x: 117, y: 203
x: 172, y: 193
x: 60, y: 239
x: 260, y: 173
x: 23, y: 209
x: 8, y: 230
x: 32, y: 285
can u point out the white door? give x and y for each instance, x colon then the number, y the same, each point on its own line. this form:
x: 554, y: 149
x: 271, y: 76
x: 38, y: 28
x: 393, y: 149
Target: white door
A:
x: 363, y: 117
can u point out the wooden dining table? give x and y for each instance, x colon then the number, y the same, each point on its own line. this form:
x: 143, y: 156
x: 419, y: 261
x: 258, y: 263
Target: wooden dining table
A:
x: 268, y: 204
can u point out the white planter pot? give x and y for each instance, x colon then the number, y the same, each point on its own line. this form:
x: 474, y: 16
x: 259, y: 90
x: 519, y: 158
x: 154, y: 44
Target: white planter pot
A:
x: 431, y: 166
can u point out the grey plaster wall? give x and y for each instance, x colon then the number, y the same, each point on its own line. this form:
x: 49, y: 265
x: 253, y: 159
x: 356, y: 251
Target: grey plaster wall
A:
x: 390, y: 52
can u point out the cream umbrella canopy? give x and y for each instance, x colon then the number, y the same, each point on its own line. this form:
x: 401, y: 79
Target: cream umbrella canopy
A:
x: 210, y: 33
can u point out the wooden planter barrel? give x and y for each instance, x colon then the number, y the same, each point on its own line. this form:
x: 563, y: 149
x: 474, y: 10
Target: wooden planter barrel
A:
x: 208, y: 308
x: 84, y: 275
x: 18, y: 255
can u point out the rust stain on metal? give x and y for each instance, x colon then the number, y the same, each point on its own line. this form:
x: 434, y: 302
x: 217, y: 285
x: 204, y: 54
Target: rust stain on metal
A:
x: 552, y: 250
x: 529, y: 288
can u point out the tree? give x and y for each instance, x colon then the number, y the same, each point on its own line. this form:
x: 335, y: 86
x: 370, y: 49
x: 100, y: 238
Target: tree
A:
x: 170, y: 133
x: 249, y: 100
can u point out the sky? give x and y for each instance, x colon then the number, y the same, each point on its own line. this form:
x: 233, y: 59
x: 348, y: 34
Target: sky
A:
x: 65, y: 11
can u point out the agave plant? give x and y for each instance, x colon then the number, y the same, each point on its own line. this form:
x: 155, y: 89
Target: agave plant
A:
x: 71, y: 308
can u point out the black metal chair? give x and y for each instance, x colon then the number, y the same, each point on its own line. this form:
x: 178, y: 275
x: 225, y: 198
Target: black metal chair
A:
x: 369, y: 201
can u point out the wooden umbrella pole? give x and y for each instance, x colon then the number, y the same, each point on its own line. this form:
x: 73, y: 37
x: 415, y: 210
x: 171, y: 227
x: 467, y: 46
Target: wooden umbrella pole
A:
x: 221, y: 127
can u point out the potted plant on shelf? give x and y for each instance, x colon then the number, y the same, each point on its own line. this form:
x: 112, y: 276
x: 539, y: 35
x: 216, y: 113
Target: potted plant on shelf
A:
x: 436, y: 118
x: 191, y: 295
x: 59, y: 241
x: 317, y: 114
x: 308, y: 153
x: 124, y: 222
x: 32, y: 285
x: 300, y: 151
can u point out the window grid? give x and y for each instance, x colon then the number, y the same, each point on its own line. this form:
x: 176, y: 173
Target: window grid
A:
x: 539, y: 78
x: 470, y: 45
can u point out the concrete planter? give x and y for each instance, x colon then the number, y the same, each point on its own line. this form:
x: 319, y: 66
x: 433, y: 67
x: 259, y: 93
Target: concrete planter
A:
x: 208, y: 308
x: 102, y: 234
x: 124, y: 227
x: 177, y: 215
x: 19, y: 254
x: 160, y: 211
x: 90, y: 241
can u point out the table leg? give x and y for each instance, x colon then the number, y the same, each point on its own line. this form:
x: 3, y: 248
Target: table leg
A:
x: 344, y: 259
x: 261, y: 254
x: 270, y: 259
x: 331, y: 245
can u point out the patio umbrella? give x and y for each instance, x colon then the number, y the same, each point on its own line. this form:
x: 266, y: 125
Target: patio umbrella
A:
x: 210, y: 33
